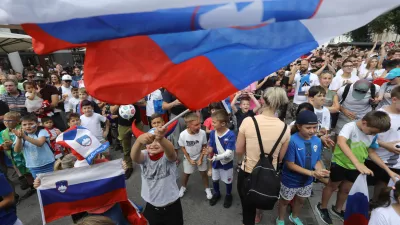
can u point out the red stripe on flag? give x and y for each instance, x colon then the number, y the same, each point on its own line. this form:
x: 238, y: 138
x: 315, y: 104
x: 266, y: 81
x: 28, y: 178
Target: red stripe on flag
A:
x: 124, y: 70
x: 44, y: 43
x: 59, y: 210
x: 358, y: 219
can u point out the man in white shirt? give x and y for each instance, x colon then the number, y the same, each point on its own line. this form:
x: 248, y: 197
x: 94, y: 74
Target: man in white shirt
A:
x: 347, y: 76
x: 303, y: 81
x: 66, y: 93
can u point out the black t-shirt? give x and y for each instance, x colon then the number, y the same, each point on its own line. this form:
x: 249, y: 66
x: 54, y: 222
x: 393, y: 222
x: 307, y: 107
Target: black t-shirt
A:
x: 136, y: 117
x: 168, y: 98
x: 3, y: 110
x: 240, y: 116
x: 48, y: 91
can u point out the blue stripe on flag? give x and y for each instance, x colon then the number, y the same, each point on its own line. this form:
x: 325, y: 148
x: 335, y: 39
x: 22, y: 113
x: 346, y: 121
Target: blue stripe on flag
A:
x: 357, y: 204
x: 83, y: 191
x: 105, y: 27
x: 280, y: 43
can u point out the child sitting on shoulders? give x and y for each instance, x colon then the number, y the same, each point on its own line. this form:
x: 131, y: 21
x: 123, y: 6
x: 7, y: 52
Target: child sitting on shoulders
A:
x: 222, y: 147
x: 33, y: 102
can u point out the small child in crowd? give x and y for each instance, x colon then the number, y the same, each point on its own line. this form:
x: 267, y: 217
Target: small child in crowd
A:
x: 356, y: 142
x: 244, y: 106
x: 222, y: 147
x: 7, y: 138
x: 387, y: 141
x: 48, y: 125
x: 74, y: 100
x: 92, y: 121
x: 31, y: 141
x: 387, y: 209
x: 208, y: 122
x: 316, y: 96
x: 33, y: 101
x: 302, y: 163
x: 192, y: 141
x: 83, y: 95
x: 159, y: 187
x: 73, y: 119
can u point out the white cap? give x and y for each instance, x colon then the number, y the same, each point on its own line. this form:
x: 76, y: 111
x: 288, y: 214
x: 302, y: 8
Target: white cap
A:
x: 66, y: 77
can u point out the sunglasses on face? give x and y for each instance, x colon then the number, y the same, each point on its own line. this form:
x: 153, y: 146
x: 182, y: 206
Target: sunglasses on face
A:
x: 361, y: 91
x: 68, y: 81
x: 312, y: 61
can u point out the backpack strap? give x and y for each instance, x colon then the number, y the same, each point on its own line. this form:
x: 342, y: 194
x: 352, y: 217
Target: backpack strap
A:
x: 345, y: 93
x: 260, y: 141
x: 373, y: 90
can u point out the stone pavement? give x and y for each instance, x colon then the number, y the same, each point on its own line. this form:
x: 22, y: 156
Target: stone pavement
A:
x: 196, y: 208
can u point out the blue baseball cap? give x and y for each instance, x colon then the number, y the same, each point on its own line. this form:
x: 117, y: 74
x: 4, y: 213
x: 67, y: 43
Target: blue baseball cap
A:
x: 393, y: 74
x: 306, y: 117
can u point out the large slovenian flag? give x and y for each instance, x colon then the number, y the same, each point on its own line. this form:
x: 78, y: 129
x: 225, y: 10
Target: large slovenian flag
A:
x: 199, y: 50
x: 357, y: 206
x: 70, y: 191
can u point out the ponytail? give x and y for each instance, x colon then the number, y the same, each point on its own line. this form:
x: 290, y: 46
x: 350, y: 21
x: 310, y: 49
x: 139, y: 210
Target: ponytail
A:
x: 384, y: 199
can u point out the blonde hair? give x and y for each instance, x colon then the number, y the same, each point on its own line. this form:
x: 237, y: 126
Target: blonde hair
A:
x: 191, y: 117
x: 275, y: 97
x: 221, y: 116
x: 96, y: 220
x: 82, y: 90
x: 67, y: 162
x: 13, y: 114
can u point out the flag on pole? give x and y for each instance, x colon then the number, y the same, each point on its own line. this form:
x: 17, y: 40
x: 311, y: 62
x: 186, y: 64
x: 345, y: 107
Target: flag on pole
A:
x: 357, y: 206
x: 71, y: 191
x: 199, y: 50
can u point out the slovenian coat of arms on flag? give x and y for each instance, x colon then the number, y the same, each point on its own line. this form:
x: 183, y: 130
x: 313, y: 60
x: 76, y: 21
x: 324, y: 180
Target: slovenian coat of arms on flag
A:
x: 75, y: 190
x: 83, y: 144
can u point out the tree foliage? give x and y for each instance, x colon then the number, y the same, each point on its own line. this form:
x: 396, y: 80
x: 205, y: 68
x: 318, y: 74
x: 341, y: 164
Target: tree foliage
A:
x: 389, y: 21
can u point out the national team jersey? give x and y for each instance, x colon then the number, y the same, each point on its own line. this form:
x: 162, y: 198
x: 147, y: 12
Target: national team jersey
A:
x: 359, y: 144
x: 228, y: 142
x: 305, y: 153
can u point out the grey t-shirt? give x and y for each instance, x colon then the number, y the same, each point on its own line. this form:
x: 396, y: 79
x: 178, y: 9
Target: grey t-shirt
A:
x: 385, y: 90
x: 359, y: 107
x: 159, y: 186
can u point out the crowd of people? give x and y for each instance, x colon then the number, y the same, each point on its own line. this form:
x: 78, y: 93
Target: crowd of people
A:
x: 327, y: 117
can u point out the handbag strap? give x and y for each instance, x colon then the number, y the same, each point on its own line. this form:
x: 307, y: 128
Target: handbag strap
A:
x: 260, y: 141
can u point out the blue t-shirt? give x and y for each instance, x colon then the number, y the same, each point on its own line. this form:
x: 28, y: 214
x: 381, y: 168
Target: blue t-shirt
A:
x: 301, y: 152
x: 37, y: 156
x: 8, y: 216
x: 228, y: 141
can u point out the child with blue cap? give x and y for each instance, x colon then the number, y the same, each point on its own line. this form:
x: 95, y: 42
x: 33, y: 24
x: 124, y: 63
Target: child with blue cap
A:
x: 302, y: 163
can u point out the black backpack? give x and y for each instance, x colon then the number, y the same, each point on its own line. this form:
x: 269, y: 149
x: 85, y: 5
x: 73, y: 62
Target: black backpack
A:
x: 262, y: 186
x: 347, y: 89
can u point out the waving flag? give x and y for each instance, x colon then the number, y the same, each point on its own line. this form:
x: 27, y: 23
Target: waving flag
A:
x: 70, y: 191
x: 199, y: 50
x: 357, y: 206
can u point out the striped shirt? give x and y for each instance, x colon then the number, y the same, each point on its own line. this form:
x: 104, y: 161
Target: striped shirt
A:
x: 15, y: 103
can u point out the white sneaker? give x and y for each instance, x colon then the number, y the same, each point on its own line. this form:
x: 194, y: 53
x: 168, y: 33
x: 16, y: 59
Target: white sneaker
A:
x: 209, y: 194
x: 182, y: 191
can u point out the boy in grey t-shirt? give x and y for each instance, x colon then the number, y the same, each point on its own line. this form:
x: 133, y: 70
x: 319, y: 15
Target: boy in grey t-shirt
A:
x: 159, y: 187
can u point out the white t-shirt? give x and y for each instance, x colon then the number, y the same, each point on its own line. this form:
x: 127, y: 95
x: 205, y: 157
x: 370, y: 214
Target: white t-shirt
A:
x: 391, y: 159
x: 339, y: 81
x: 385, y: 91
x: 384, y: 216
x: 324, y: 118
x: 364, y: 72
x: 72, y: 103
x: 303, y: 83
x: 155, y: 95
x: 93, y: 124
x: 193, y: 143
x: 66, y: 91
x: 340, y: 72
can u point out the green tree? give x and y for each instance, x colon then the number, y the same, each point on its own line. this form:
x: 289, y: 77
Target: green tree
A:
x: 389, y: 21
